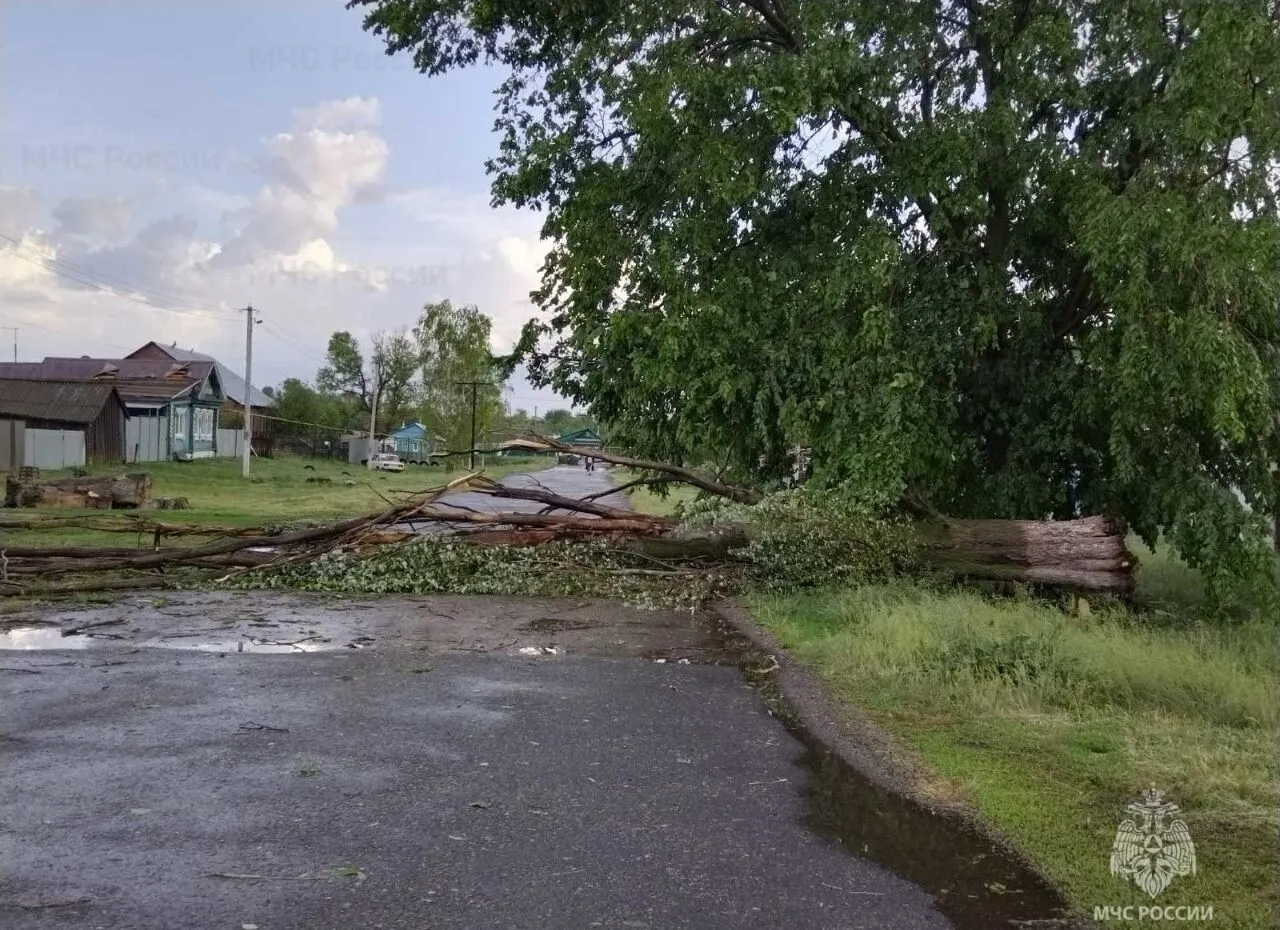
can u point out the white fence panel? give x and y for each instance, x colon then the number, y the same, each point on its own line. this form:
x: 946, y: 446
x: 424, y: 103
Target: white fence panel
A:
x: 147, y: 439
x: 54, y: 448
x: 230, y: 442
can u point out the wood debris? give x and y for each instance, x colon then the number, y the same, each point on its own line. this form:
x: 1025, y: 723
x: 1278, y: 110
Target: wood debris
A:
x: 1087, y: 555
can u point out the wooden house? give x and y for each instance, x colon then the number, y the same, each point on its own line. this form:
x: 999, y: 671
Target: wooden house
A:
x: 239, y: 393
x: 171, y: 407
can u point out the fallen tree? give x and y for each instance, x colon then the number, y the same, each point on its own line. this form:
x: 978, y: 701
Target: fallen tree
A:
x: 1088, y: 554
x: 791, y: 539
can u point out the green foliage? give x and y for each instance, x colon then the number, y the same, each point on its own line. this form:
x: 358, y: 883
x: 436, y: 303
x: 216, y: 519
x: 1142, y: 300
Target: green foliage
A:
x: 299, y: 403
x: 457, y: 367
x: 812, y: 537
x: 800, y: 539
x: 437, y: 565
x: 388, y: 379
x: 1018, y: 256
x: 395, y: 360
x: 344, y: 371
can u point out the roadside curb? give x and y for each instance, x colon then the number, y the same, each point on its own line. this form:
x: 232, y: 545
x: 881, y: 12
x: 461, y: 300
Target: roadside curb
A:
x: 849, y: 733
x: 797, y: 696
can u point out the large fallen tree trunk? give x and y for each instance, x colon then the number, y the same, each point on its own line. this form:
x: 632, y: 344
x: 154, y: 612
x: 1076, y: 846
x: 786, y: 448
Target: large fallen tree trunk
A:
x: 113, y: 492
x: 128, y: 523
x: 1087, y: 555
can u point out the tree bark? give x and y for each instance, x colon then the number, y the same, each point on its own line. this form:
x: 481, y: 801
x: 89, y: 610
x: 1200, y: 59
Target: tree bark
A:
x: 113, y: 492
x: 1087, y: 555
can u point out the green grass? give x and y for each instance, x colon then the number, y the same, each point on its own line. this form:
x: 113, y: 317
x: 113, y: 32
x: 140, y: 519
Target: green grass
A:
x: 648, y: 501
x: 277, y: 493
x: 1048, y: 724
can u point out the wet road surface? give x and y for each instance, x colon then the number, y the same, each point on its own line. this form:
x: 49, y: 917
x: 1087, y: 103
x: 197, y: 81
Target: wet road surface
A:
x: 437, y: 762
x: 565, y: 480
x: 395, y: 790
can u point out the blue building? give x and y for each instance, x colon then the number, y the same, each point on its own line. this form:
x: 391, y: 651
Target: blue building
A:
x: 412, y: 443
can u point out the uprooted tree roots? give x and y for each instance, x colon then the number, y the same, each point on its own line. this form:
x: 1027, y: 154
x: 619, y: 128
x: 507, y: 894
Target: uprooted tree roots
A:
x: 577, y: 547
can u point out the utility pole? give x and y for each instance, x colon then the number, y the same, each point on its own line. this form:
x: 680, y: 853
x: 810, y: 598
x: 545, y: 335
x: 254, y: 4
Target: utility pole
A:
x: 474, y: 385
x: 247, y: 438
x: 373, y: 418
x: 14, y: 330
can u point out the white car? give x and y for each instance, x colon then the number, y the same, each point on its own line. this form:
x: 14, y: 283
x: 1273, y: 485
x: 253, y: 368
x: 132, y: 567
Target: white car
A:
x: 386, y: 461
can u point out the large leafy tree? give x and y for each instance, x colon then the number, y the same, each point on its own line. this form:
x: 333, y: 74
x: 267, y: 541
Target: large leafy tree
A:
x: 387, y: 378
x: 396, y: 360
x: 1019, y: 256
x: 459, y: 377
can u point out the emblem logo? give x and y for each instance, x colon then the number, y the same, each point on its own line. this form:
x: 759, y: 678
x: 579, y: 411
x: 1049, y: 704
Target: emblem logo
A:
x: 1150, y: 849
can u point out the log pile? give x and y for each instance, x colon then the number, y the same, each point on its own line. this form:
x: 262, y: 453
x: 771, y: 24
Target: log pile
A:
x: 113, y: 492
x: 1086, y: 555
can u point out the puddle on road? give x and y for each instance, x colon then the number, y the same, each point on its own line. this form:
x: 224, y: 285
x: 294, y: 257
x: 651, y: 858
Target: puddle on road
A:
x: 244, y: 644
x: 976, y: 883
x: 50, y: 637
x: 42, y: 637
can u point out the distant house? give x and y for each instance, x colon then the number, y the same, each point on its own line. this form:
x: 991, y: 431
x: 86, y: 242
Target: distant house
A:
x: 522, y: 447
x: 239, y: 393
x: 586, y: 437
x: 171, y: 407
x: 413, y: 443
x: 55, y: 424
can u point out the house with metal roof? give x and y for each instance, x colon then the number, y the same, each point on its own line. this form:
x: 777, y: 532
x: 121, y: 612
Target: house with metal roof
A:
x: 238, y: 392
x: 52, y: 424
x: 413, y: 443
x: 171, y: 407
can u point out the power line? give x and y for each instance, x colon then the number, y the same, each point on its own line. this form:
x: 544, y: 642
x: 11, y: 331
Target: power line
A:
x: 85, y: 278
x: 289, y: 343
x: 79, y: 337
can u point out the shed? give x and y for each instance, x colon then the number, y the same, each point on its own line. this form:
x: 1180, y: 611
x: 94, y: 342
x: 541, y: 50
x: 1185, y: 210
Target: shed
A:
x: 95, y: 410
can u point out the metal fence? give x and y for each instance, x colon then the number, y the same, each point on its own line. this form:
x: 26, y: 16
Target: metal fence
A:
x: 146, y: 439
x: 54, y: 448
x: 230, y: 442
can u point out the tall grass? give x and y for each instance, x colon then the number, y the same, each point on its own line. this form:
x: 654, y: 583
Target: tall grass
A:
x: 1048, y: 722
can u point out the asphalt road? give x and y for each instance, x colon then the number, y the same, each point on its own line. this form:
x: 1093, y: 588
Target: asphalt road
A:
x: 477, y: 791
x: 418, y: 770
x: 565, y: 480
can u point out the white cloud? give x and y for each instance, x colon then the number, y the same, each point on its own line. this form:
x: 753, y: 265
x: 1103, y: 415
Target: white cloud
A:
x: 20, y: 208
x: 101, y: 215
x: 282, y: 248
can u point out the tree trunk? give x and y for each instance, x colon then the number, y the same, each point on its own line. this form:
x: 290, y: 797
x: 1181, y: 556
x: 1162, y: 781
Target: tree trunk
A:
x: 105, y: 493
x: 1086, y: 555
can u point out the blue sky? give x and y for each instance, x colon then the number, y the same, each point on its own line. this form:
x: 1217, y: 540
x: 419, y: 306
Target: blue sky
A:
x: 211, y: 154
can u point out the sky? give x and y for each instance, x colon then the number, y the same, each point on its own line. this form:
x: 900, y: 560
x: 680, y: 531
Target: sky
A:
x: 164, y: 163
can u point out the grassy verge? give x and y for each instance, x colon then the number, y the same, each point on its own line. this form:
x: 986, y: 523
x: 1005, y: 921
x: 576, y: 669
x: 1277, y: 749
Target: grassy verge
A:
x: 1049, y: 725
x: 646, y: 500
x: 278, y: 493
